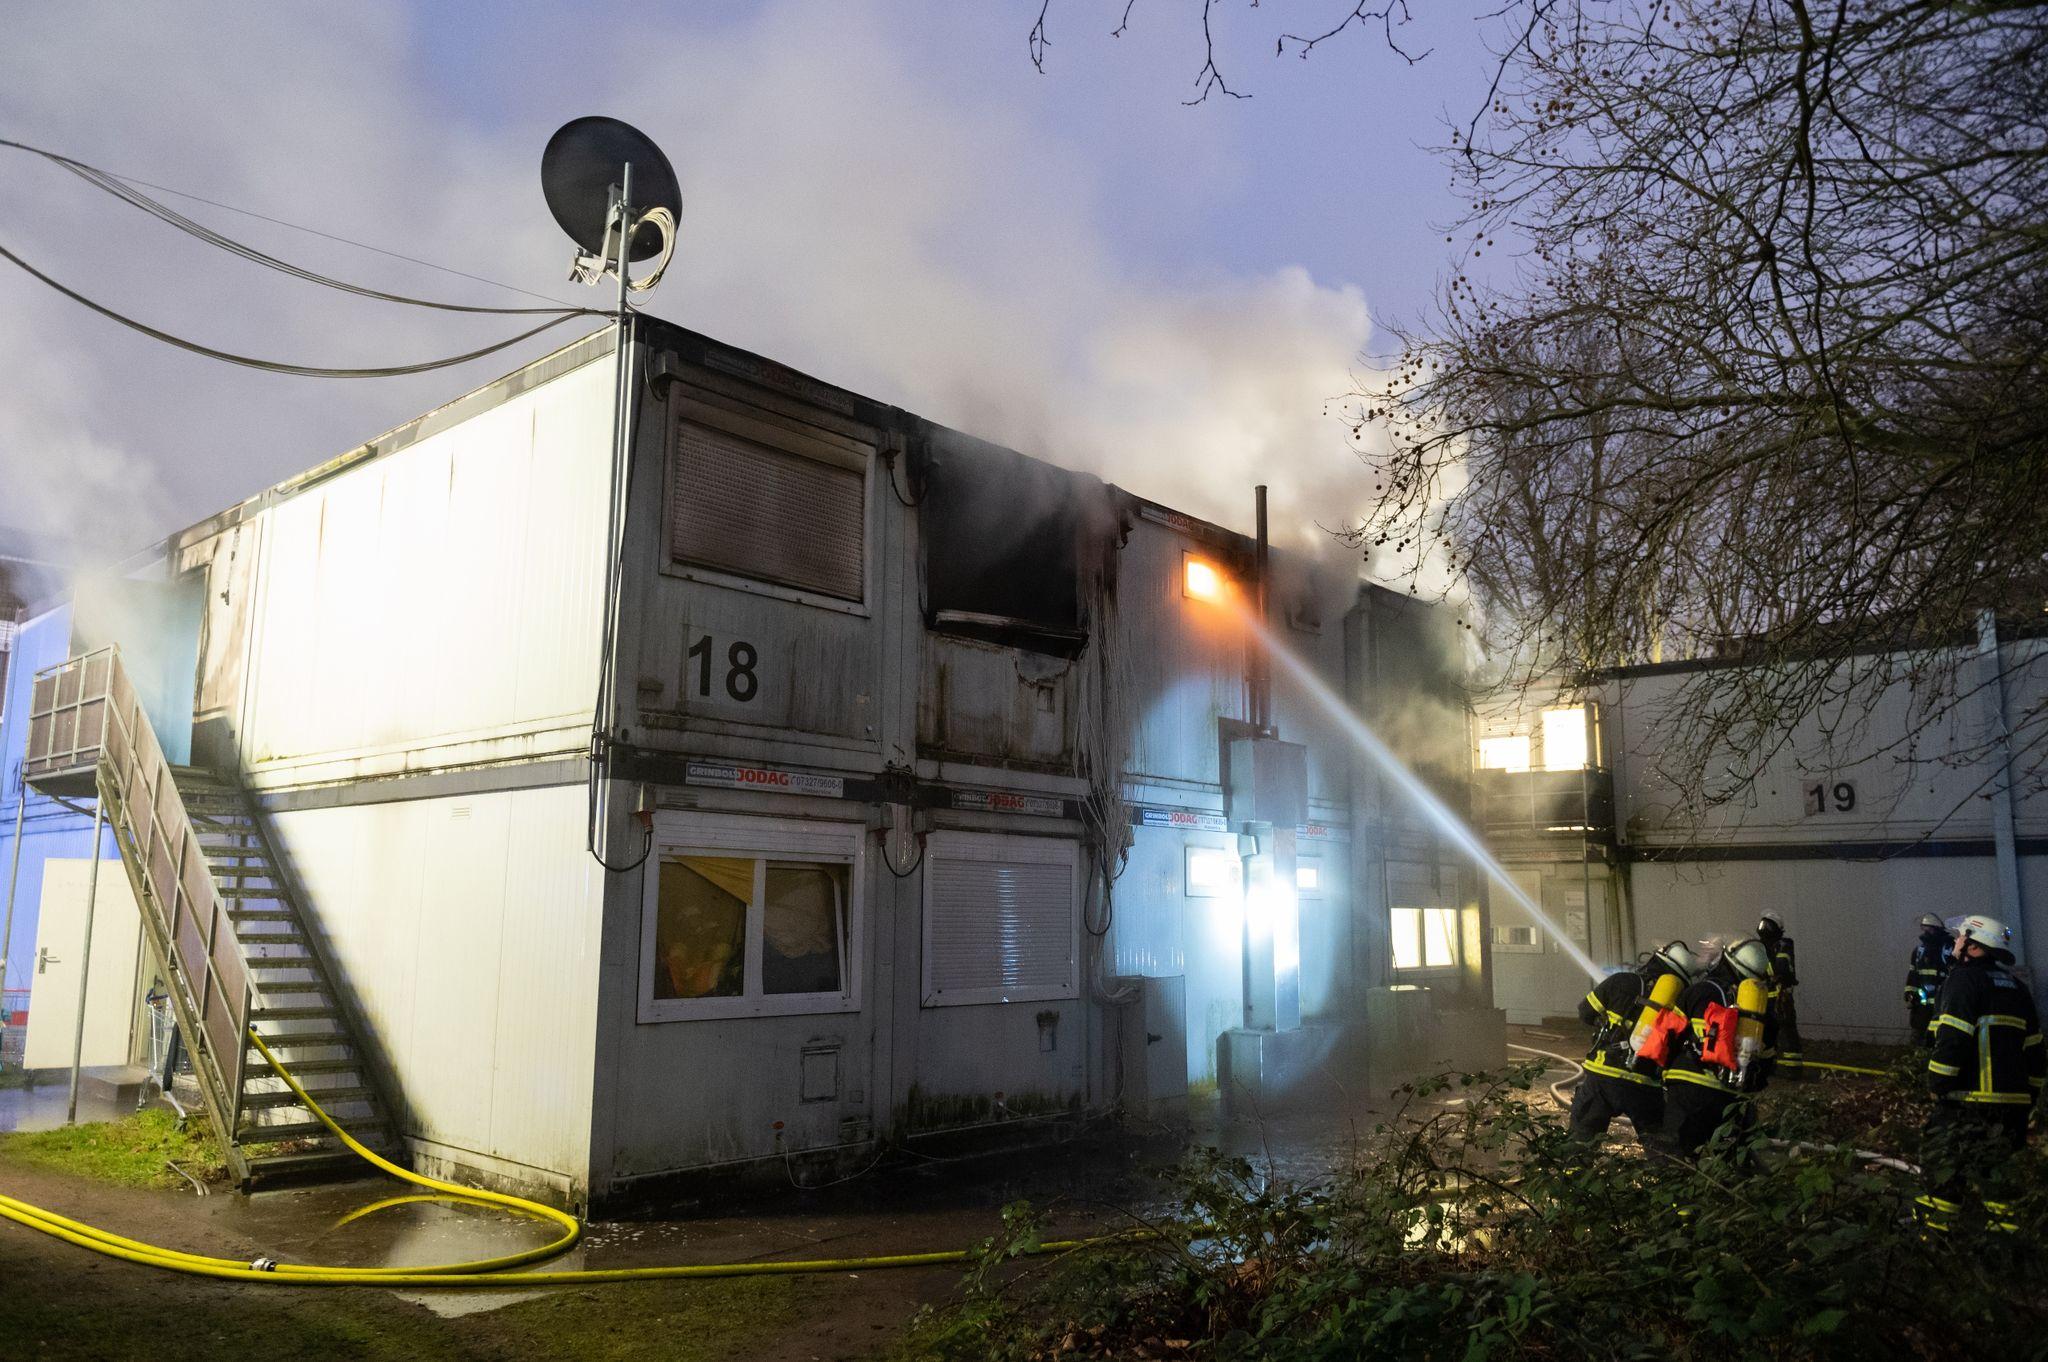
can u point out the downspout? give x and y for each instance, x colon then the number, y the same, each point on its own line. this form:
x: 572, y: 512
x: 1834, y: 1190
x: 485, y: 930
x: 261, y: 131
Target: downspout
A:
x: 2004, y: 841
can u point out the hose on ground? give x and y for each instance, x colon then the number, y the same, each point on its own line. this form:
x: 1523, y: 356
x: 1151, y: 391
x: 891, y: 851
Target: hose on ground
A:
x: 481, y: 1274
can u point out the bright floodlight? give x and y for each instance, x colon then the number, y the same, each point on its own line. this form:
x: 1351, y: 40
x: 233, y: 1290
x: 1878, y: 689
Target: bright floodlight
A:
x: 1201, y: 581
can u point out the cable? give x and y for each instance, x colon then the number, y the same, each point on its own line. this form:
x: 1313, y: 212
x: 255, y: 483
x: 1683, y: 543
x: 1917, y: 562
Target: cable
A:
x: 276, y: 366
x: 890, y: 866
x: 110, y: 183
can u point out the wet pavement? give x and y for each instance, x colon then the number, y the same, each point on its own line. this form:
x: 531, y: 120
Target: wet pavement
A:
x: 909, y: 1202
x: 45, y: 1106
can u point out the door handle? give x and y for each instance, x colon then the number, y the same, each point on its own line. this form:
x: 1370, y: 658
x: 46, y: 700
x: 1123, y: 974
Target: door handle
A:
x: 44, y: 959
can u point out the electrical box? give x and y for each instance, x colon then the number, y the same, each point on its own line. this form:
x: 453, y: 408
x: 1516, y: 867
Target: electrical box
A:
x: 1268, y: 782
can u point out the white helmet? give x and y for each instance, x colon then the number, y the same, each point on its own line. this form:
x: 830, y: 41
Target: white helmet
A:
x: 1680, y: 958
x: 1749, y: 959
x: 1987, y: 932
x: 1770, y: 915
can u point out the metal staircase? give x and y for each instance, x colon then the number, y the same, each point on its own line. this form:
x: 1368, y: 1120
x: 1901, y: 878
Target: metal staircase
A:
x: 221, y: 914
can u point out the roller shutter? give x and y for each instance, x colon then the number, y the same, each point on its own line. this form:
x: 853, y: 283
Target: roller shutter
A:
x: 742, y: 507
x: 1001, y: 920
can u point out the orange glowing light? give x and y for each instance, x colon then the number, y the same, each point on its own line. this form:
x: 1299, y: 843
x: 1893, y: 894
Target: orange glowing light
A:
x: 1201, y: 581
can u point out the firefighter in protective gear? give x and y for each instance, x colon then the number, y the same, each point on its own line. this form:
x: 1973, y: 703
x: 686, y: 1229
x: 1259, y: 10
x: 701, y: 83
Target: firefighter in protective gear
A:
x: 1986, y: 1069
x: 1781, y: 1027
x: 1715, y: 1060
x: 1925, y: 970
x: 1617, y: 1082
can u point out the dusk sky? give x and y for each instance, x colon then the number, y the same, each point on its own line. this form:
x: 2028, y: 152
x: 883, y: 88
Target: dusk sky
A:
x: 887, y: 196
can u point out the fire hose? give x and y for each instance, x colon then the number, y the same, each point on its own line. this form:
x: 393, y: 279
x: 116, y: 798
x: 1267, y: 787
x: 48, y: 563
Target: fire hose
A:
x: 480, y: 1274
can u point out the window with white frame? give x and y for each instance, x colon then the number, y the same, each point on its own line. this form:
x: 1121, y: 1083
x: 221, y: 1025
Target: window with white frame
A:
x: 1422, y: 913
x: 750, y: 917
x: 1504, y: 752
x: 1002, y: 919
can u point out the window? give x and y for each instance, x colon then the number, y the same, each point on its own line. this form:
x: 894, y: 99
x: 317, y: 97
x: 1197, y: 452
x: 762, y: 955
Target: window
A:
x: 749, y: 917
x: 1002, y: 919
x: 1564, y: 739
x: 1308, y: 877
x: 1422, y: 913
x: 1504, y: 752
x: 769, y: 504
x: 1212, y: 873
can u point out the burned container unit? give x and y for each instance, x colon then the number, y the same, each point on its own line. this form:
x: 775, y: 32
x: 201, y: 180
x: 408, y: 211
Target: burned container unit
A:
x: 914, y: 786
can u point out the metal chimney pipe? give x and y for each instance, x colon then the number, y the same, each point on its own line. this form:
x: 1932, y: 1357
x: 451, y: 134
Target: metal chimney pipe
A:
x: 1262, y: 667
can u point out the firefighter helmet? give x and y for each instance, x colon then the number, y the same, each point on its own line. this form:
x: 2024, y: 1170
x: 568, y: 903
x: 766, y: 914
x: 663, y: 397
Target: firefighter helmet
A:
x: 1769, y: 926
x: 1988, y: 932
x: 1679, y: 958
x: 1930, y: 920
x: 1749, y: 959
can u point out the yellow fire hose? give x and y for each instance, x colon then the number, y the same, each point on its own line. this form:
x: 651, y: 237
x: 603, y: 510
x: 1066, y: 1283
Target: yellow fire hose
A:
x: 480, y: 1274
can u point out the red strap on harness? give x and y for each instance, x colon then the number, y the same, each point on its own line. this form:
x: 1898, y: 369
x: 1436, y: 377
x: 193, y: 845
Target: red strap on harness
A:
x: 1656, y: 1047
x: 1719, y: 1047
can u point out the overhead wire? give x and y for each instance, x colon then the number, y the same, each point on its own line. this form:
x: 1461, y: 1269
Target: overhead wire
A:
x: 124, y: 190
x: 127, y: 193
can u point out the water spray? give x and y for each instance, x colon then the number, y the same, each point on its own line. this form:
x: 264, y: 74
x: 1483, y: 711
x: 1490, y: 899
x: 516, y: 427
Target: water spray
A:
x: 1412, y: 785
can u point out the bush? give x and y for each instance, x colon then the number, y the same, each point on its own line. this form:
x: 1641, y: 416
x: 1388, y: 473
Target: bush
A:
x: 1483, y: 1231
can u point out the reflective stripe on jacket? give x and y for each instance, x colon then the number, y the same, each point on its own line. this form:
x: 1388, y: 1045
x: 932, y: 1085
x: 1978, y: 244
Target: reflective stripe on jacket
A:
x: 1987, y: 1039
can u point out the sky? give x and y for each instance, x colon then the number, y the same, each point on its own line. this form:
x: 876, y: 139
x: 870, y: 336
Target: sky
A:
x: 886, y: 195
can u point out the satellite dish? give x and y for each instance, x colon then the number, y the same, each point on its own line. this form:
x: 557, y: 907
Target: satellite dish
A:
x: 585, y: 161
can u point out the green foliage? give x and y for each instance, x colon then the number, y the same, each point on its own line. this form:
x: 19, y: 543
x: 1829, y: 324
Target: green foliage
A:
x: 1481, y: 1230
x: 133, y: 1152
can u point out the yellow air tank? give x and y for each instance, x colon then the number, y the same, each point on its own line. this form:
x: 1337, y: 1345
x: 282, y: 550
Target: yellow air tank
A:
x: 1750, y: 1000
x: 1662, y: 994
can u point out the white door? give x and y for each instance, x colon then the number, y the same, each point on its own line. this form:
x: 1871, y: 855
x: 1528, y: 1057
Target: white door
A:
x: 112, y: 999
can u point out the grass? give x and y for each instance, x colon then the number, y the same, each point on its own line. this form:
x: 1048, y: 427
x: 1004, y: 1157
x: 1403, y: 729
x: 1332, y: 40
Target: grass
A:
x: 131, y: 1152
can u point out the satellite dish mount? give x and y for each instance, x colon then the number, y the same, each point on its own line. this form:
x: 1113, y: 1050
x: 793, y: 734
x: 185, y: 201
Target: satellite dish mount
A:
x: 615, y: 194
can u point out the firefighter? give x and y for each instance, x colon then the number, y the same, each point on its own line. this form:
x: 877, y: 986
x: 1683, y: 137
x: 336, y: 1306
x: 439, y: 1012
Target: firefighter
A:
x: 1615, y: 1082
x: 1713, y: 1056
x: 1781, y: 1026
x: 1987, y: 1065
x: 1925, y: 970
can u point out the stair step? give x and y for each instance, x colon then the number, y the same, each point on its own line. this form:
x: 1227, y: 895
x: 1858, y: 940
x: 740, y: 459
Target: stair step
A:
x: 258, y: 1069
x: 326, y: 1097
x: 371, y: 1133
x: 243, y: 892
x: 262, y: 914
x: 272, y: 938
x: 278, y: 1167
x: 297, y: 1039
x: 268, y: 1014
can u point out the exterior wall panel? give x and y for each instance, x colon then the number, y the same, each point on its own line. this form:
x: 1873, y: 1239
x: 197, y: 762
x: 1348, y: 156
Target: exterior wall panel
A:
x: 438, y: 606
x: 468, y: 930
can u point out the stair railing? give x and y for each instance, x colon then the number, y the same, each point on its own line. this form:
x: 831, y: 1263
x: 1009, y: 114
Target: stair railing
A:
x: 84, y: 715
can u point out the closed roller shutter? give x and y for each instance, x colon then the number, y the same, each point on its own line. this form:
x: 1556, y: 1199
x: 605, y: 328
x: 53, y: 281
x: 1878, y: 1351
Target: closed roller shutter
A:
x: 1001, y: 921
x: 764, y: 513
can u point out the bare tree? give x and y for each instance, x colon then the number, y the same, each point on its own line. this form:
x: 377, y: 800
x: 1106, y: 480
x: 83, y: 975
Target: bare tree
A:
x: 1768, y: 379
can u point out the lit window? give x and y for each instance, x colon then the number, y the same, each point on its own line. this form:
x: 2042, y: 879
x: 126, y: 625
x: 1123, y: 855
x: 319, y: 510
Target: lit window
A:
x: 1212, y: 873
x: 1508, y: 752
x: 1564, y: 739
x: 1421, y: 914
x: 1425, y: 938
x: 732, y: 931
x: 1200, y: 579
x: 1308, y: 877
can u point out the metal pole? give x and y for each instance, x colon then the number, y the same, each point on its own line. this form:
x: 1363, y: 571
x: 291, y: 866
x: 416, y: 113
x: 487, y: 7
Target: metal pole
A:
x: 622, y: 444
x: 1262, y: 686
x: 92, y: 893
x: 13, y: 874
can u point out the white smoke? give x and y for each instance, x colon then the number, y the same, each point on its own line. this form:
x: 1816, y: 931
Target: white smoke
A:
x: 847, y: 211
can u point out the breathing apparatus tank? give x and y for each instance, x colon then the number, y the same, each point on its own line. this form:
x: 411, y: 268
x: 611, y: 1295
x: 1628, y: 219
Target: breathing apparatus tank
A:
x: 1663, y: 994
x: 1750, y: 1000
